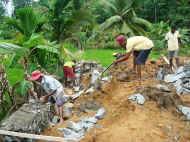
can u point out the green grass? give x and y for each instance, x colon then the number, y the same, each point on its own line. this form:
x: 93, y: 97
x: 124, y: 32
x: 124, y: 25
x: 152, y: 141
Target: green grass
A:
x: 103, y: 56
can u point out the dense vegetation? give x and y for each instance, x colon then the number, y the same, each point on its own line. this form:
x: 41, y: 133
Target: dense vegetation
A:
x: 43, y: 34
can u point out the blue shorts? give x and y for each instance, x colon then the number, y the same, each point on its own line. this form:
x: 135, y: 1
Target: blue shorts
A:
x: 173, y: 54
x: 59, y: 101
x: 142, y: 56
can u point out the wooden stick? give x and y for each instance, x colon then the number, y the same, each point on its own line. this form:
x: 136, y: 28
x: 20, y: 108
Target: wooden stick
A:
x: 32, y: 136
x: 167, y: 61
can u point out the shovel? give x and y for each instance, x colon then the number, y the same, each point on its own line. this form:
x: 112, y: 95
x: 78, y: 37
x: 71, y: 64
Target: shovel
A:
x: 106, y: 70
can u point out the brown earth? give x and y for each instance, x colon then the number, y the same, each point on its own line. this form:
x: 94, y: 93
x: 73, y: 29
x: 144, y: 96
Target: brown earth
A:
x: 126, y: 121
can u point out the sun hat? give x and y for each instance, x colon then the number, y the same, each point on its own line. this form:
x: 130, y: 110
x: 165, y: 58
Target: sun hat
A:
x: 36, y: 75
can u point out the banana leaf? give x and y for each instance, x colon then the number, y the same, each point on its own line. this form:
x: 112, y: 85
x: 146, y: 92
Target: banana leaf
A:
x: 48, y: 48
x: 9, y: 48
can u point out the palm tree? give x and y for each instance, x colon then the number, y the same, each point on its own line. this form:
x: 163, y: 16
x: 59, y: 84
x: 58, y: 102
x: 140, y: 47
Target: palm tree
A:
x: 121, y: 15
x: 27, y: 21
x: 64, y: 17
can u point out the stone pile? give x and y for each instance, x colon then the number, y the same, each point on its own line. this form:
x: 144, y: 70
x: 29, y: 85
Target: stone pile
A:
x: 88, y: 66
x: 30, y: 118
x: 76, y: 131
x: 162, y: 95
x: 180, y: 79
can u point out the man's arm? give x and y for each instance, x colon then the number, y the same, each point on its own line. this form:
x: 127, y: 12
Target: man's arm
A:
x: 125, y: 57
x: 179, y: 38
x: 50, y: 94
x: 45, y: 98
x: 33, y: 93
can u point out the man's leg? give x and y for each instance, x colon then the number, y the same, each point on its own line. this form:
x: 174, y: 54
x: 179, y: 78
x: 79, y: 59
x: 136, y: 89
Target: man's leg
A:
x: 135, y: 55
x: 134, y: 63
x: 177, y: 61
x: 59, y: 103
x: 141, y: 60
x: 171, y: 63
x: 65, y: 81
x: 60, y: 109
x: 177, y: 58
x: 139, y: 71
x: 171, y: 56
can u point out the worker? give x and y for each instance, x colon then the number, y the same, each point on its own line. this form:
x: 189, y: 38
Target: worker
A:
x: 69, y: 73
x: 54, y: 90
x: 140, y: 46
x: 173, y: 38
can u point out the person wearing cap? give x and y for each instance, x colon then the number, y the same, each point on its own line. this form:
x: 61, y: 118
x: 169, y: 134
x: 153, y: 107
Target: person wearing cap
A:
x: 140, y: 46
x: 69, y: 73
x: 173, y: 38
x: 54, y: 90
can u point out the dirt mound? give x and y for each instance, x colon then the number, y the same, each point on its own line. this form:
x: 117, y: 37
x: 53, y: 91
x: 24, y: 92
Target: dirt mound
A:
x: 165, y: 99
x: 126, y: 121
x: 124, y: 71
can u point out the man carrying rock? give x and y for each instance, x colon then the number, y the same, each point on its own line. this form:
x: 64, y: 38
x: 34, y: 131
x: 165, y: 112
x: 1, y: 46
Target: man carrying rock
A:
x: 54, y: 90
x: 140, y: 46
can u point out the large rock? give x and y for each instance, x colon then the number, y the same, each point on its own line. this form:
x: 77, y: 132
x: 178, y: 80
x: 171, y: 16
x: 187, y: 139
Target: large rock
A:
x: 180, y: 79
x: 164, y: 99
x: 30, y: 118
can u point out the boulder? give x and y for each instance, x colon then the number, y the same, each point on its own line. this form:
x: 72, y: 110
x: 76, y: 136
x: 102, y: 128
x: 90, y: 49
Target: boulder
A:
x: 30, y: 118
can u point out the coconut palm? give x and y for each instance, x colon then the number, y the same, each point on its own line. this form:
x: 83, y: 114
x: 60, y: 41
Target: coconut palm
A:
x: 121, y: 14
x: 64, y: 17
x: 27, y: 21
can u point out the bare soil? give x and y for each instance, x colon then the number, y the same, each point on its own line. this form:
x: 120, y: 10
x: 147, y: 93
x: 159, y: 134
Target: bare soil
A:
x: 126, y: 121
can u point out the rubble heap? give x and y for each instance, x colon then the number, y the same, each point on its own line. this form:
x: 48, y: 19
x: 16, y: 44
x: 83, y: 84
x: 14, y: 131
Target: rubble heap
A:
x: 162, y: 95
x: 180, y: 79
x: 30, y: 118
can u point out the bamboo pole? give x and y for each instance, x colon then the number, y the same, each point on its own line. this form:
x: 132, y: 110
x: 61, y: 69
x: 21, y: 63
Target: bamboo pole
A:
x: 32, y: 136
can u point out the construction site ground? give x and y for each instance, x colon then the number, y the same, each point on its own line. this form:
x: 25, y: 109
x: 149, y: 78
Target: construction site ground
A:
x: 126, y: 121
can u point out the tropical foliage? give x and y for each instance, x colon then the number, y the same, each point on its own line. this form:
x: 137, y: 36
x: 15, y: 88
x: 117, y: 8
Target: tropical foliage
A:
x: 121, y: 15
x: 27, y: 21
x: 44, y: 34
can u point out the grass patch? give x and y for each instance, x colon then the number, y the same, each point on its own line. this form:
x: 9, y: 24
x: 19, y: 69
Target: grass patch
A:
x: 103, y: 56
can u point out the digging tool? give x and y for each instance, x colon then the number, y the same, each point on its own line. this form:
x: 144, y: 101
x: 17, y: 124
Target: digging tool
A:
x: 167, y: 61
x: 106, y: 69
